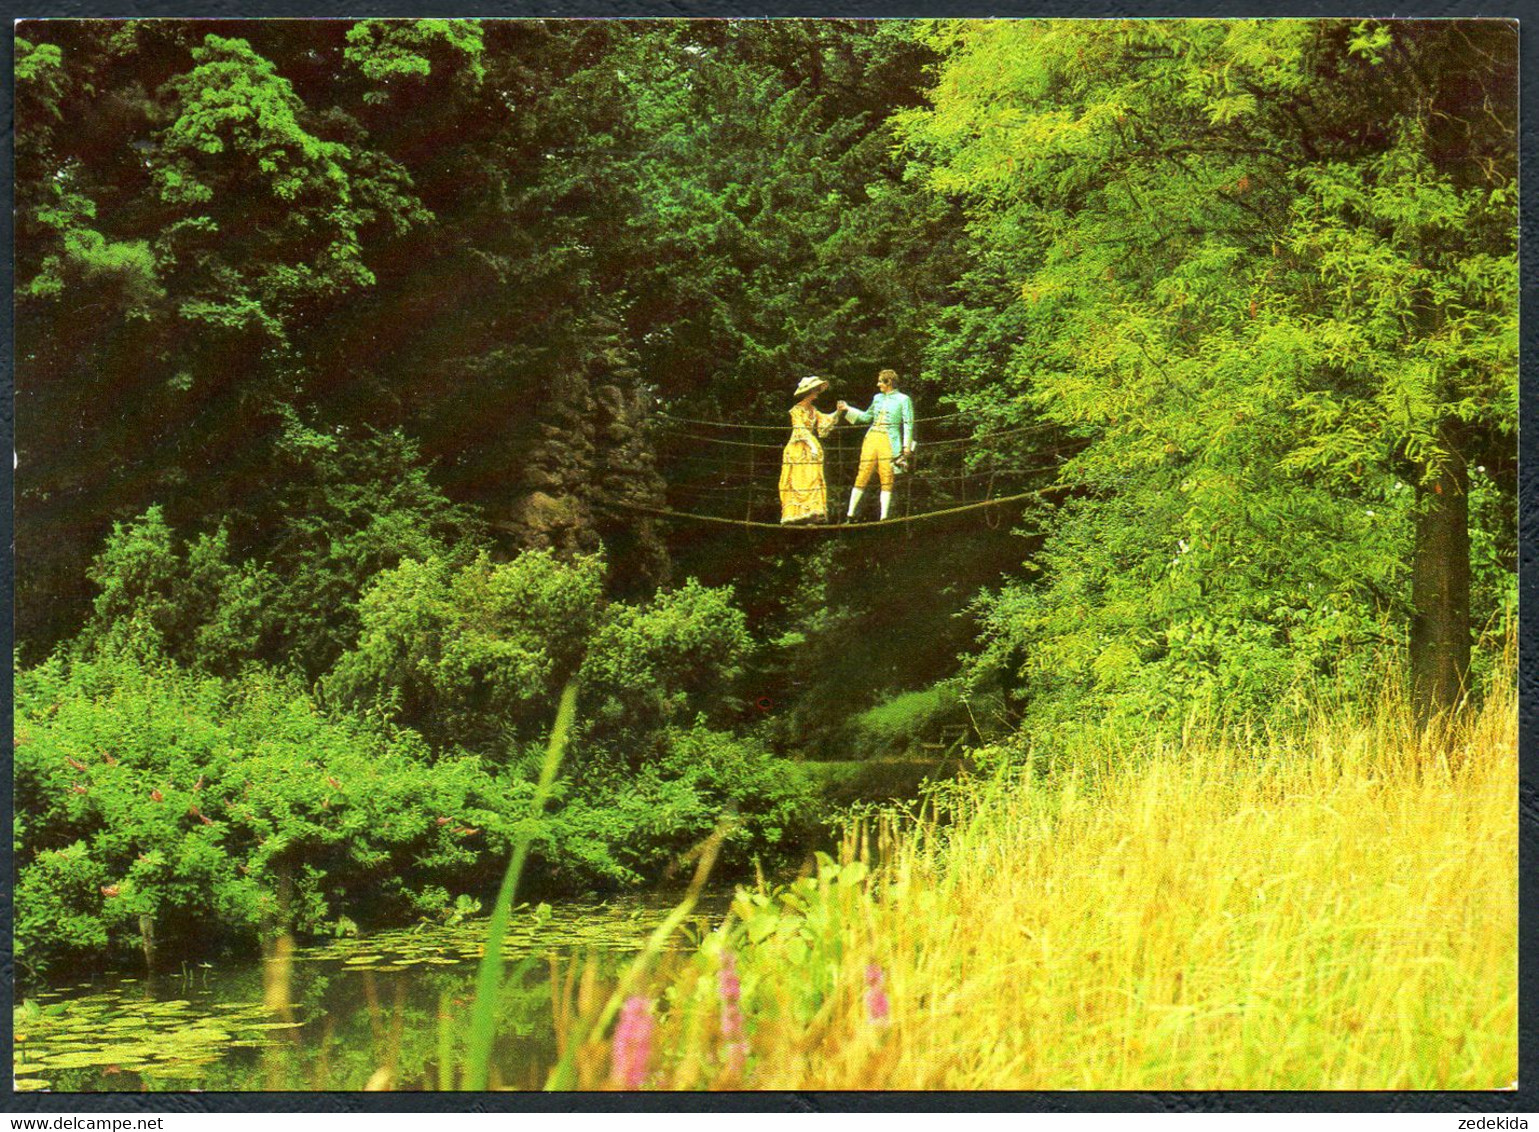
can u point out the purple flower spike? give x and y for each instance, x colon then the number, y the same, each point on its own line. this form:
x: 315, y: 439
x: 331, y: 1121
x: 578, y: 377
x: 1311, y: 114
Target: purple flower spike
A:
x: 877, y: 1007
x: 735, y: 1041
x: 632, y: 1044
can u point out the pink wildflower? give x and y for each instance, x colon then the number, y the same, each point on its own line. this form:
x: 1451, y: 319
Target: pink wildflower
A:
x: 876, y: 995
x: 632, y: 1044
x: 735, y: 1041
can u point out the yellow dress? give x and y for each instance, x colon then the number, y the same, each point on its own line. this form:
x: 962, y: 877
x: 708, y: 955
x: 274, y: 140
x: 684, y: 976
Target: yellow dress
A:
x: 803, y: 494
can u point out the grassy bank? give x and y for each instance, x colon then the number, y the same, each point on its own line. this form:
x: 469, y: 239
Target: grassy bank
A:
x: 1333, y: 911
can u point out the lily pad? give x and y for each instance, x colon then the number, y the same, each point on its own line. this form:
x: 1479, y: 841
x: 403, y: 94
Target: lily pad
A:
x: 30, y: 1084
x: 137, y: 1051
x: 197, y: 1035
x: 78, y: 1059
x: 173, y: 1070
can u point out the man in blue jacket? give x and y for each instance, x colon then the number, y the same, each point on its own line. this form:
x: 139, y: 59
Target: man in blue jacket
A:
x: 891, y: 417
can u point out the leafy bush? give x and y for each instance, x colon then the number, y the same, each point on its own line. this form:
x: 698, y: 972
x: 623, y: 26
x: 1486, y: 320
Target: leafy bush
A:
x: 657, y: 664
x: 641, y: 824
x: 223, y: 810
x: 163, y: 773
x: 475, y: 654
x: 187, y: 602
x: 469, y: 655
x: 1153, y: 606
x: 352, y: 504
x: 898, y: 724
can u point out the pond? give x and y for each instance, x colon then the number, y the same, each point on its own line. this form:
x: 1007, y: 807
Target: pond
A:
x: 392, y: 1008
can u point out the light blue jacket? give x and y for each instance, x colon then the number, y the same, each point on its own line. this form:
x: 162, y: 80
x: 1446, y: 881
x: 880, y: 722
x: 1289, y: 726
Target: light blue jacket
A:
x: 900, y: 418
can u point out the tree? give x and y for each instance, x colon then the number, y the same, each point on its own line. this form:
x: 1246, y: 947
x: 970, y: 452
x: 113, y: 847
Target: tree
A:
x: 249, y: 216
x: 172, y: 244
x: 1270, y: 280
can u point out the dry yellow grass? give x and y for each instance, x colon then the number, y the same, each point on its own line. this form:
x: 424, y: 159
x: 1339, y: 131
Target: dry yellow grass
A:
x: 1338, y: 911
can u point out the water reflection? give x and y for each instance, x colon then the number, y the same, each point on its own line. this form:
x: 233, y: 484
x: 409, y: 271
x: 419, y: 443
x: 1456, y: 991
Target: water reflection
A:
x: 389, y: 1010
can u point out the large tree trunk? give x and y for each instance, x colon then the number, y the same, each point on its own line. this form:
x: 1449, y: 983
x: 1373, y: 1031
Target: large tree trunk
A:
x: 1440, y: 589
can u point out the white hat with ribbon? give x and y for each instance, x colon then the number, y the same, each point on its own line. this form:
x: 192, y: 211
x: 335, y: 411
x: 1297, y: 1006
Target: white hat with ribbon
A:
x: 808, y: 384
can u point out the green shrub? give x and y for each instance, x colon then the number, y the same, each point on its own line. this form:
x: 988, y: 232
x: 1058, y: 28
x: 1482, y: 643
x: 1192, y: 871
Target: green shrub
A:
x: 475, y: 654
x: 223, y: 810
x: 187, y: 602
x: 661, y: 663
x: 898, y: 725
x: 353, y: 503
x: 639, y: 825
x: 471, y: 655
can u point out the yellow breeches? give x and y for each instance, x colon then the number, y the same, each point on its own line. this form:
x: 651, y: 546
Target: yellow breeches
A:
x: 875, y: 456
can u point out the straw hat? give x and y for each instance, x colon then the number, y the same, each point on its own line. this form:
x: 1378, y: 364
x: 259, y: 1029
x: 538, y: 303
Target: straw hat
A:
x: 808, y: 385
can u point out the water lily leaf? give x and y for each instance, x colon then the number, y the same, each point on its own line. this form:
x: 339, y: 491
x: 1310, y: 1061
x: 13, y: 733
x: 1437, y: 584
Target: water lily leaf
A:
x: 30, y: 1084
x: 197, y: 1035
x: 173, y: 1071
x: 78, y: 1059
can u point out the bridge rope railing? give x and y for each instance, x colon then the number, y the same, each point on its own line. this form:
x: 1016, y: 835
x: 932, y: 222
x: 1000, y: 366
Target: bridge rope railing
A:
x: 737, y: 478
x: 825, y: 528
x: 926, y: 445
x: 707, y: 473
x: 782, y: 427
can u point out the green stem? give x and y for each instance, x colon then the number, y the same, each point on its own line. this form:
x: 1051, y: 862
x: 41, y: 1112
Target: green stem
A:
x: 564, y: 1075
x: 483, y: 1021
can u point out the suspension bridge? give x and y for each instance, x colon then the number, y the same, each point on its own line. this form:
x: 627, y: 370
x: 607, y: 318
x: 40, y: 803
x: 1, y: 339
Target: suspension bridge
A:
x: 729, y: 473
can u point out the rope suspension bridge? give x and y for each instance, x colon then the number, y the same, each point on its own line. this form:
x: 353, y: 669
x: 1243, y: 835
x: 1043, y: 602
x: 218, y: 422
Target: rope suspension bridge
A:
x: 729, y: 473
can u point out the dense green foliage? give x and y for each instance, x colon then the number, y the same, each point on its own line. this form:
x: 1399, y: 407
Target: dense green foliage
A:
x: 348, y: 352
x: 1267, y: 275
x: 163, y: 773
x: 210, y: 805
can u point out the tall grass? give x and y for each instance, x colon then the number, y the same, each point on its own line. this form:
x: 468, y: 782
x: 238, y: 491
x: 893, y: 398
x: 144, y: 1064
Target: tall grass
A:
x: 1331, y: 910
x: 489, y: 976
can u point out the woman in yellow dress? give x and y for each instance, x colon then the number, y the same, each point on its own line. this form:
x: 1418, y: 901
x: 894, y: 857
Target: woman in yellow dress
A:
x: 803, y: 493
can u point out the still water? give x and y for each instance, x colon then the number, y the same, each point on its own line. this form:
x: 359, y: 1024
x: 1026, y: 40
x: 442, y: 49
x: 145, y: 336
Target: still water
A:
x: 391, y: 1008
